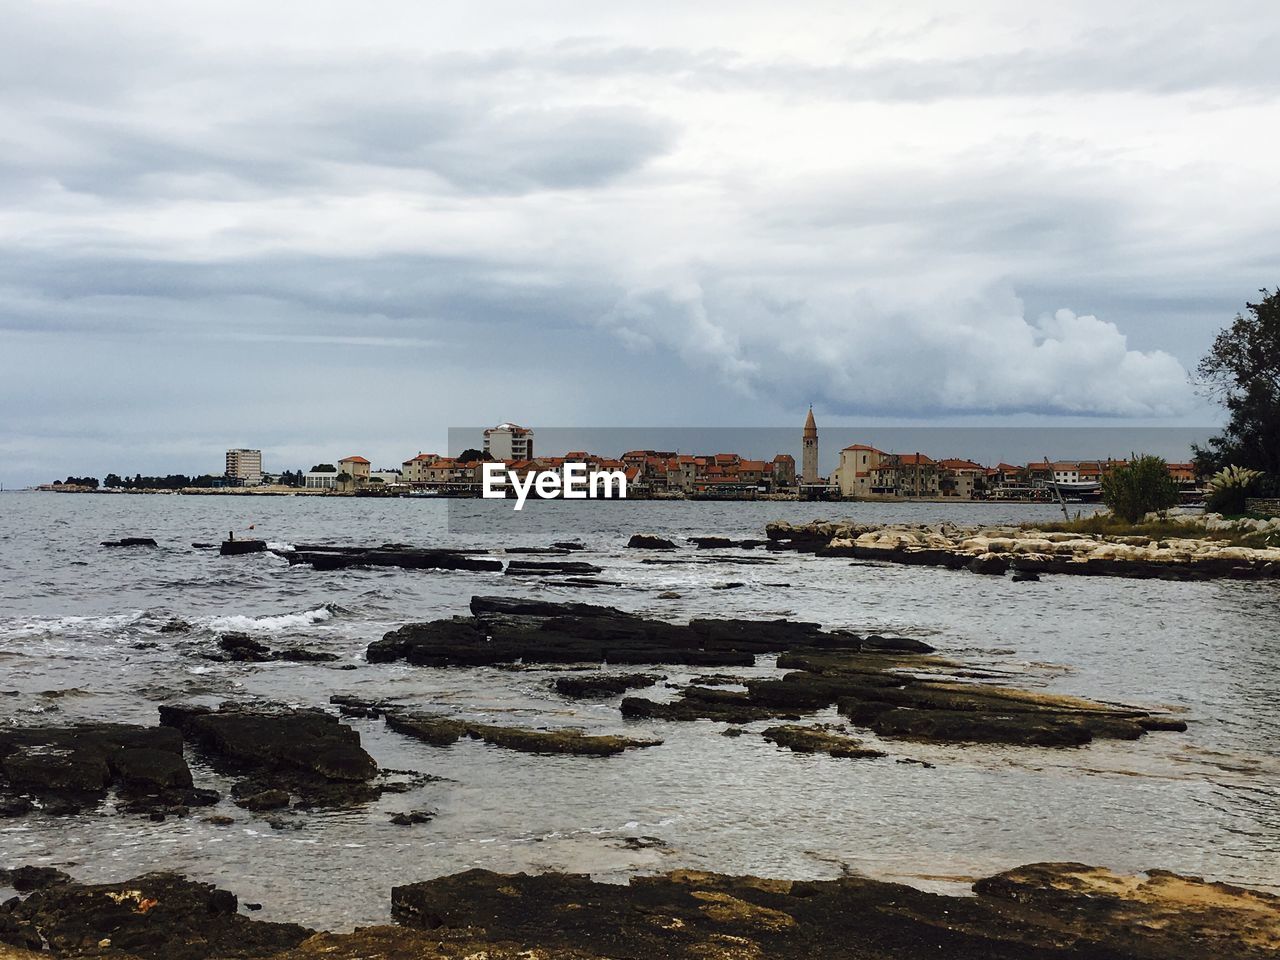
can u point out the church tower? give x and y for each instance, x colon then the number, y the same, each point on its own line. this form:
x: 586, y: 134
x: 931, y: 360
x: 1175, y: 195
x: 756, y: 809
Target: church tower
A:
x: 809, y: 458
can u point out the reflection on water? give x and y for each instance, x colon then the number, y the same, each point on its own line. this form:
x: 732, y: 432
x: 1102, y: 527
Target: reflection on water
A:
x: 74, y: 616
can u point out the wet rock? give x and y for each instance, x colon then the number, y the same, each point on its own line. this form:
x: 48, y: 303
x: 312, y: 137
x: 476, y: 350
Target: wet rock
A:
x: 203, y: 546
x: 993, y: 564
x: 669, y: 595
x: 68, y: 769
x: 412, y: 817
x: 1022, y: 575
x: 733, y: 585
x: 568, y: 545
x: 442, y: 731
x: 26, y: 879
x: 952, y: 726
x: 130, y: 542
x: 159, y: 916
x: 543, y: 568
x: 321, y: 557
x: 175, y: 625
x: 305, y: 752
x: 242, y: 648
x: 725, y: 543
x: 603, y: 686
x: 699, y: 704
x: 645, y: 541
x: 251, y: 797
x: 235, y: 548
x: 819, y: 739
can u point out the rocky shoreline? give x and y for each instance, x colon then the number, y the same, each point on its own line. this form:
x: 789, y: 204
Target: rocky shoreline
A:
x: 1029, y: 552
x: 1044, y: 911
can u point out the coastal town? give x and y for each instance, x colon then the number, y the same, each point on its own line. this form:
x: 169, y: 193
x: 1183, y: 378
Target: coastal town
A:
x: 863, y: 472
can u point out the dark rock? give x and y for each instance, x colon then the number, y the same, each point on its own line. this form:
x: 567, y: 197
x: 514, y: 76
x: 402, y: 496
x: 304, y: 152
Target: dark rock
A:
x: 242, y: 647
x: 68, y: 769
x: 993, y: 564
x: 175, y: 625
x: 204, y: 546
x: 898, y: 644
x: 412, y: 817
x: 949, y: 726
x: 234, y: 548
x: 1040, y: 912
x: 818, y: 739
x: 543, y: 568
x: 130, y: 542
x: 734, y: 585
x: 603, y: 686
x: 259, y: 800
x: 389, y: 555
x: 306, y: 752
x: 159, y: 916
x: 644, y: 541
x: 26, y: 879
x: 1025, y: 576
x: 668, y: 595
x: 442, y: 731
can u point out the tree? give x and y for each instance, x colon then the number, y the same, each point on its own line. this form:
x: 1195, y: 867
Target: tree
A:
x: 470, y: 455
x: 1242, y: 372
x: 1138, y: 487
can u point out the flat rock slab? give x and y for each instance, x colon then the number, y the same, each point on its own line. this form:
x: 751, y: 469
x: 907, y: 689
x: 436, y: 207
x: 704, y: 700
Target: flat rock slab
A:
x: 818, y: 739
x: 607, y: 685
x: 389, y: 555
x: 68, y: 769
x: 306, y: 753
x: 130, y: 542
x: 235, y: 548
x: 443, y: 731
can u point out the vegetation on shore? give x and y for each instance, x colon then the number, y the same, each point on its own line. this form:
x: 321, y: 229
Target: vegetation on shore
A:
x: 1167, y: 528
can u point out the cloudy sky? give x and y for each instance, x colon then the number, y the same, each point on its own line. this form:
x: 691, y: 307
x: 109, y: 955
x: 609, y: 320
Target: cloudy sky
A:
x: 322, y: 229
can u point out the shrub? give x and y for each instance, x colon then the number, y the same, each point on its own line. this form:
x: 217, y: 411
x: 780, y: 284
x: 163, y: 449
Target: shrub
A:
x: 1229, y: 488
x: 1139, y: 487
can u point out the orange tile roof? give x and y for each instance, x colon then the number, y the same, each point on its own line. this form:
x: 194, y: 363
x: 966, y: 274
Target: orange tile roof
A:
x: 353, y: 460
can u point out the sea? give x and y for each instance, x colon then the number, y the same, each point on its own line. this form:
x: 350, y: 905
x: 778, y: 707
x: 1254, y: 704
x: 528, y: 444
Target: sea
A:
x: 81, y: 639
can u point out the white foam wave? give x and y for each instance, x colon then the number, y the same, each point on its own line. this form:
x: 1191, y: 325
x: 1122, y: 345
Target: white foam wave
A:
x: 280, y: 545
x: 271, y: 624
x: 36, y: 626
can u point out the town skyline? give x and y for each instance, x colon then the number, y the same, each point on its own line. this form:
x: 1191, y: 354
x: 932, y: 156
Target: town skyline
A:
x: 605, y: 217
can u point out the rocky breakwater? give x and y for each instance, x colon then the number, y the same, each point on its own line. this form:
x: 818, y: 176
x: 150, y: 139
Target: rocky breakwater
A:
x: 1189, y: 555
x: 283, y: 755
x: 1043, y: 911
x: 896, y: 687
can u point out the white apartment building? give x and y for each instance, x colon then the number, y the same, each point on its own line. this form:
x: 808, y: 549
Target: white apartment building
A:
x: 244, y: 467
x: 507, y: 441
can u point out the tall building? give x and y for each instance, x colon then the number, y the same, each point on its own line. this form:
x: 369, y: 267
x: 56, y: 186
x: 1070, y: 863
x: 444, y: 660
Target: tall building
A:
x: 507, y: 441
x: 809, y: 455
x: 244, y: 467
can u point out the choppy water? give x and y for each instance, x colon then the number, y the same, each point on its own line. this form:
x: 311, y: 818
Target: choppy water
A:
x: 1205, y: 802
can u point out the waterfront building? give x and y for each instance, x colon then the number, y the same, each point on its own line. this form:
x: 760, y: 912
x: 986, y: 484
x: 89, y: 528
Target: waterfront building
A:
x: 784, y: 471
x: 357, y: 468
x: 809, y: 453
x: 244, y: 467
x: 321, y: 479
x: 857, y: 473
x: 508, y: 441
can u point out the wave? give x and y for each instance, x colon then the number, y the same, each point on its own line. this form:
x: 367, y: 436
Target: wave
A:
x: 271, y: 624
x: 37, y: 626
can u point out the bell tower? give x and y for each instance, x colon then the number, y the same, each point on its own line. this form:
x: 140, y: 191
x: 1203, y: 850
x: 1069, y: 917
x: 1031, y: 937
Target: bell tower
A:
x: 809, y: 456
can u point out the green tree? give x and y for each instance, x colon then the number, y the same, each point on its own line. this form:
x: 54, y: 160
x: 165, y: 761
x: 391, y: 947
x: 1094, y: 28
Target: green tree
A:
x: 1138, y: 487
x: 471, y: 455
x: 1242, y: 372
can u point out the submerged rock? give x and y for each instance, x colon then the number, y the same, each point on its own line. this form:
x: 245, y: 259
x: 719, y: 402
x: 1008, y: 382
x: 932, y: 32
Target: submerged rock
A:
x: 543, y: 568
x: 305, y: 752
x: 234, y: 548
x: 242, y: 648
x: 818, y: 739
x: 130, y: 542
x: 68, y: 769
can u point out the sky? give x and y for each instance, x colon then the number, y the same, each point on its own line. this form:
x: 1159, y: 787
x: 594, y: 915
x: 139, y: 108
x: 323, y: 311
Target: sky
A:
x: 324, y: 229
